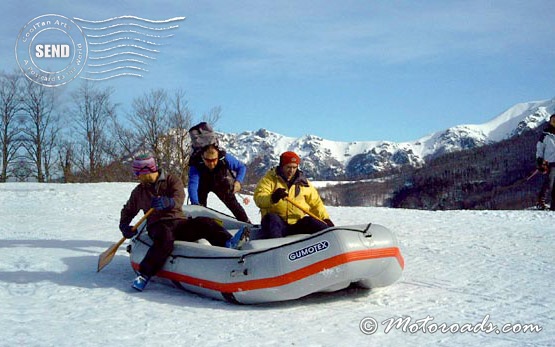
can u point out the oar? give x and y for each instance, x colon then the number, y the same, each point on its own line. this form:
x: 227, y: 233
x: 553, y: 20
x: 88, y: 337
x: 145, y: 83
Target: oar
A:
x: 106, y: 257
x: 303, y: 209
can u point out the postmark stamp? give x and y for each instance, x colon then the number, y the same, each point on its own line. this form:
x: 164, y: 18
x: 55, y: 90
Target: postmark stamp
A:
x: 51, y: 50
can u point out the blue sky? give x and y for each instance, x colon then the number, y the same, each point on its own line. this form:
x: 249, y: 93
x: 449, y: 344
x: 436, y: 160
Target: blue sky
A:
x: 343, y: 70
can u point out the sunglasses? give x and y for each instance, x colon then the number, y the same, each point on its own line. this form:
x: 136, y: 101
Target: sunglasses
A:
x: 138, y: 172
x: 210, y: 160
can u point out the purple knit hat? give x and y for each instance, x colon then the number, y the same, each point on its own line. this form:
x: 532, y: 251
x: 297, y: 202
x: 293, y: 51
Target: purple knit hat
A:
x: 144, y: 164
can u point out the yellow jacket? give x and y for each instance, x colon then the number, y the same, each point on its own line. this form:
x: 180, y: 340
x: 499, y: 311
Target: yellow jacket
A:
x: 301, y: 191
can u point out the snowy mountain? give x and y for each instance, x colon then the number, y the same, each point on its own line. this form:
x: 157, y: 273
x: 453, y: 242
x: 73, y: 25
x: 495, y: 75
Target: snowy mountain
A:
x: 325, y: 160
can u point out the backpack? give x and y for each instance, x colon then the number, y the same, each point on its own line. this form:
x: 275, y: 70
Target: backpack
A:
x: 202, y: 135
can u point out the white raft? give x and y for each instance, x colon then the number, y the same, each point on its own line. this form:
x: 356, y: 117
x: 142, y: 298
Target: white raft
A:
x: 279, y: 269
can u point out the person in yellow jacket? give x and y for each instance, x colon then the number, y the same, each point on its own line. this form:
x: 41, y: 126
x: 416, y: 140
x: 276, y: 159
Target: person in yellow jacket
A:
x: 279, y: 217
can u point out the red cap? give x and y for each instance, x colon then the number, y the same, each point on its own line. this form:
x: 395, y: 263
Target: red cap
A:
x: 288, y: 158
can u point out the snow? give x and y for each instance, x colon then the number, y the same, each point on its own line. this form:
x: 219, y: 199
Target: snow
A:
x: 462, y: 267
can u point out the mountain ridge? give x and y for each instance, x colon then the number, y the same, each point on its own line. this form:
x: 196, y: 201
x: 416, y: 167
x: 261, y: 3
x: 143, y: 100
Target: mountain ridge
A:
x: 336, y: 160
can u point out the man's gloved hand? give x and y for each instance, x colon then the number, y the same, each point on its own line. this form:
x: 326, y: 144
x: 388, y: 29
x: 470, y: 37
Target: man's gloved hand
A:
x: 329, y: 222
x: 278, y: 194
x: 162, y: 203
x: 542, y: 165
x: 127, y: 231
x: 236, y: 187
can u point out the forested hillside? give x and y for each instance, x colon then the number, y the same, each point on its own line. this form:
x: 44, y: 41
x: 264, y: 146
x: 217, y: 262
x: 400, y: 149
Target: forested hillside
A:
x: 488, y: 177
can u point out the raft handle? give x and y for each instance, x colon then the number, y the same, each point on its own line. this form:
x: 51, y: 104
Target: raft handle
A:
x: 235, y: 273
x: 366, y: 231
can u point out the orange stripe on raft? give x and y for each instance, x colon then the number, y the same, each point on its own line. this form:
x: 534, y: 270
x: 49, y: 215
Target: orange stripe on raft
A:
x: 285, y: 278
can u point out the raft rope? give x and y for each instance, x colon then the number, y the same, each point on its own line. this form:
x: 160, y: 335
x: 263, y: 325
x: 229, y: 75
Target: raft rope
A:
x: 241, y: 258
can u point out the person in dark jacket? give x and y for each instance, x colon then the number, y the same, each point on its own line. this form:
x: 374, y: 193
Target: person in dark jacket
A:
x: 214, y: 170
x: 166, y: 194
x: 545, y: 162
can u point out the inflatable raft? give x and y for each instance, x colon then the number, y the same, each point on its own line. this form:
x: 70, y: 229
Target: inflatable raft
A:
x: 279, y: 269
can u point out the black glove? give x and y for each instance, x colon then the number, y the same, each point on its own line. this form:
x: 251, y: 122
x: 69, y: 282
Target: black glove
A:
x: 162, y: 203
x: 278, y: 194
x: 127, y: 231
x: 329, y: 222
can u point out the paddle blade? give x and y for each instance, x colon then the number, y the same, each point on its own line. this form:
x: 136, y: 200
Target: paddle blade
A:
x: 106, y: 257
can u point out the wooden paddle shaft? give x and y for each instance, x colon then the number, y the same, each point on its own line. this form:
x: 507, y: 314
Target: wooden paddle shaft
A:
x: 148, y: 213
x: 303, y: 209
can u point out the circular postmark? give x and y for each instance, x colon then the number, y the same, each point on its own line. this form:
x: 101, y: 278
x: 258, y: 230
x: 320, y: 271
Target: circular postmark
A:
x: 51, y: 50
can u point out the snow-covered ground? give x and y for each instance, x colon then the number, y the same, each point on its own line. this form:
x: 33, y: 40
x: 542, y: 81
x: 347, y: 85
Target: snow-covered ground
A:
x: 465, y: 270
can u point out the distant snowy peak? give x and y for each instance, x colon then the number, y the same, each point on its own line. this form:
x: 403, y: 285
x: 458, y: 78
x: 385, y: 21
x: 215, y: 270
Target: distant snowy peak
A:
x: 517, y: 119
x: 324, y: 159
x: 514, y: 121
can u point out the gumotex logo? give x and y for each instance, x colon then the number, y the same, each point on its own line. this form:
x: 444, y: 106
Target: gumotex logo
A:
x: 53, y: 50
x: 309, y: 250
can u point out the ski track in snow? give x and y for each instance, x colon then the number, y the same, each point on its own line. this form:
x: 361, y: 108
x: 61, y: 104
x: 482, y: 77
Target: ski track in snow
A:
x: 459, y: 267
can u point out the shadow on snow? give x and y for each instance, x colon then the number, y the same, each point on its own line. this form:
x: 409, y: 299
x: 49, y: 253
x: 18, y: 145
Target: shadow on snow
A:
x: 80, y: 271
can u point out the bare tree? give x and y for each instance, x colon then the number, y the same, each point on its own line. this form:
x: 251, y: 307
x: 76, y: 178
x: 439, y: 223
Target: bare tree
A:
x: 150, y: 118
x: 10, y: 104
x: 213, y: 116
x: 160, y: 125
x: 66, y: 152
x: 180, y: 121
x: 49, y: 149
x: 92, y: 110
x: 40, y: 123
x: 23, y: 169
x: 126, y: 142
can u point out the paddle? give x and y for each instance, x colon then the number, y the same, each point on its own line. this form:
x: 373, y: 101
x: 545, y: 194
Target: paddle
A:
x: 303, y: 209
x: 106, y: 257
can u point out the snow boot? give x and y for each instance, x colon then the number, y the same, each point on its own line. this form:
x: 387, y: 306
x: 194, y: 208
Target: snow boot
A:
x: 140, y: 282
x: 239, y: 239
x: 542, y: 206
